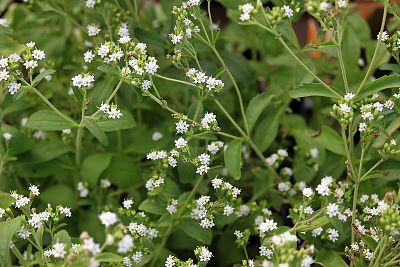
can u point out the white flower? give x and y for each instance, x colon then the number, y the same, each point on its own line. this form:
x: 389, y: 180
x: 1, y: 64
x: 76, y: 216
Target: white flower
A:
x: 124, y: 39
x: 34, y: 190
x: 288, y: 11
x: 208, y: 119
x: 307, y: 192
x: 308, y: 210
x: 228, y: 210
x: 58, y: 250
x: 383, y: 37
x: 21, y: 202
x: 267, y: 225
x: 103, y: 50
x: 3, y: 22
x: 4, y: 75
x: 316, y: 232
x: 23, y: 233
x: 214, y: 147
x: 146, y: 85
x: 204, y: 159
x: 30, y: 64
x: 333, y: 234
x: 93, y: 30
x: 85, y: 81
x: 266, y: 252
x: 344, y: 108
x: 176, y: 38
x: 38, y: 54
x: 156, y: 136
x: 181, y: 127
x: 246, y: 9
x: 90, y: 3
x: 272, y: 159
x: 284, y: 186
x: 314, y: 152
x: 108, y: 218
x: 83, y: 191
x: 151, y: 67
x: 362, y: 126
x: 127, y: 203
x: 88, y: 56
x: 3, y: 62
x: 171, y: 208
x: 307, y: 262
x: 105, y: 183
x: 332, y: 210
x: 91, y: 246
x: 325, y: 6
x: 170, y: 262
x: 204, y: 254
x: 206, y: 223
x: 202, y: 169
x: 282, y: 152
x: 180, y: 143
x: 13, y: 87
x: 114, y: 113
x: 389, y: 104
x: 137, y: 257
x: 125, y: 244
x: 30, y: 44
x: 2, y: 211
x: 342, y: 3
x: 65, y: 211
x: 349, y: 96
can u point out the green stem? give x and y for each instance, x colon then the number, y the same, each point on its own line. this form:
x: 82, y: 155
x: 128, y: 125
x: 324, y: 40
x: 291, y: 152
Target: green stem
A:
x: 376, y: 50
x: 305, y: 67
x: 342, y: 67
x: 171, y: 226
x: 52, y: 107
x: 348, y: 156
x: 175, y: 80
x: 371, y: 169
x: 235, y: 85
x: 78, y: 142
x: 111, y: 96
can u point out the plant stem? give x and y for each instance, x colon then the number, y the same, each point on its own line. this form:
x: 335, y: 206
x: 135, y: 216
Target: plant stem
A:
x: 53, y: 107
x: 371, y: 169
x: 175, y: 80
x: 376, y: 50
x: 178, y: 216
x: 78, y: 143
x: 305, y: 67
x: 235, y: 85
x: 342, y: 67
x: 111, y: 96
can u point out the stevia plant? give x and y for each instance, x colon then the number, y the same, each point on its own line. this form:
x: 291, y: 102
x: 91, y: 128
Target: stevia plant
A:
x: 161, y: 135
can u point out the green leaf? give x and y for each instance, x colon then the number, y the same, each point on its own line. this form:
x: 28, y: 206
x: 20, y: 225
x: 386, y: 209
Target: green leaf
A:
x: 330, y: 258
x: 194, y: 230
x: 331, y: 140
x: 233, y: 158
x: 41, y: 76
x: 256, y: 107
x: 380, y: 84
x: 267, y: 130
x: 313, y: 89
x: 124, y: 171
x: 108, y: 257
x: 48, y: 120
x: 6, y: 200
x: 391, y: 67
x: 93, y: 166
x: 95, y: 129
x: 59, y: 195
x: 125, y: 122
x: 63, y: 237
x: 7, y: 230
x: 44, y: 152
x: 152, y: 205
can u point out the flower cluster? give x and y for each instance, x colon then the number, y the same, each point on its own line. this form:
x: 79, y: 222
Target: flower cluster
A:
x: 204, y: 82
x: 185, y: 26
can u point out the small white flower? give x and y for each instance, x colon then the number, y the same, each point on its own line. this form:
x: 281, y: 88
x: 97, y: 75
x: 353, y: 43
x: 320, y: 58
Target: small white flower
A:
x: 342, y: 3
x: 181, y: 127
x: 4, y: 75
x: 93, y: 30
x: 316, y: 232
x: 333, y: 234
x: 108, y: 218
x: 90, y: 3
x: 125, y: 244
x: 88, y: 56
x: 66, y: 211
x: 288, y: 11
x: 127, y: 203
x: 204, y: 254
x: 156, y: 136
x: 180, y: 143
x: 38, y: 54
x: 176, y: 38
x: 362, y: 126
x: 4, y: 22
x: 34, y: 190
x: 383, y: 37
x: 332, y: 210
x: 349, y: 96
x: 151, y: 67
x: 307, y: 192
x: 30, y: 64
